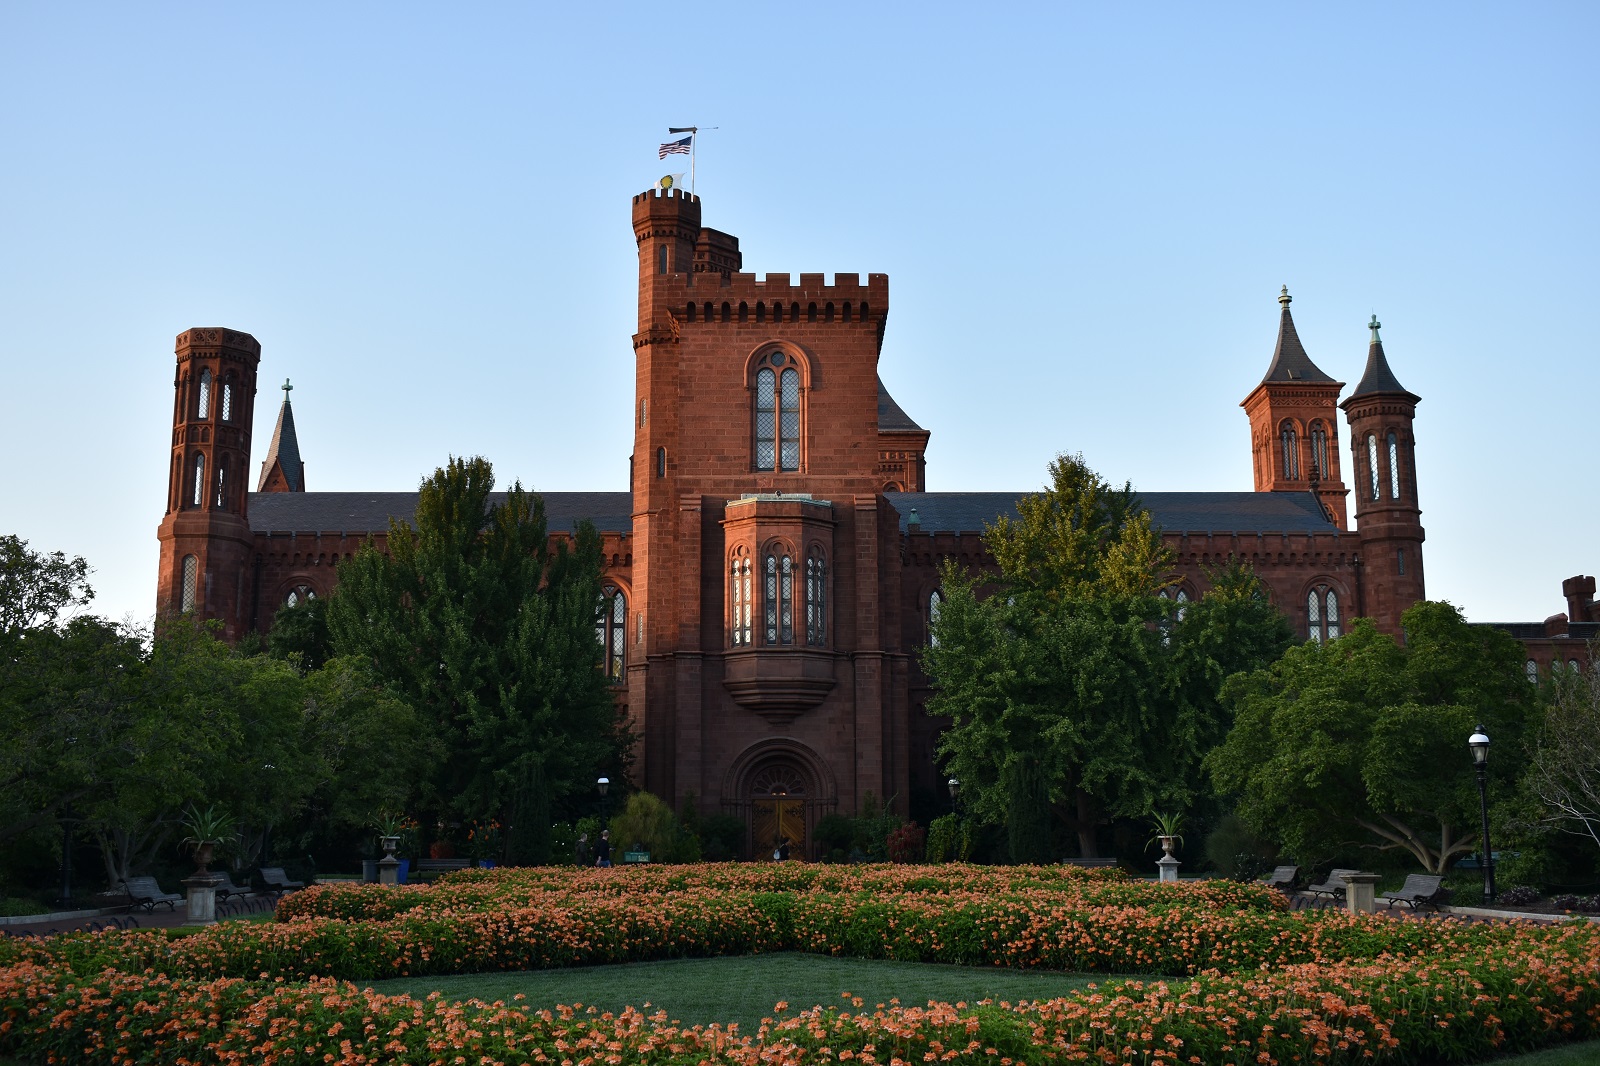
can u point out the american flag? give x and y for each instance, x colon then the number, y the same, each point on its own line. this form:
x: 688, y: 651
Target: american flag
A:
x: 676, y: 147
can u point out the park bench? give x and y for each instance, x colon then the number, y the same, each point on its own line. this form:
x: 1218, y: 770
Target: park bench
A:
x: 1420, y: 890
x: 1090, y: 864
x: 144, y: 894
x: 277, y: 881
x: 439, y: 866
x: 1333, y: 887
x: 225, y: 887
x: 1282, y: 878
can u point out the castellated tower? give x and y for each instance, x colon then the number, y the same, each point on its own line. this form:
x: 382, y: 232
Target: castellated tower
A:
x: 205, y: 536
x: 1294, y: 428
x: 759, y: 673
x: 1388, y: 516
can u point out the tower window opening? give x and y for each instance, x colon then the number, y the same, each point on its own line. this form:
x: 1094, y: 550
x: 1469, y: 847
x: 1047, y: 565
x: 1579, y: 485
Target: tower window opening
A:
x: 761, y: 310
x: 935, y: 600
x: 811, y: 312
x: 1322, y: 614
x: 740, y: 606
x: 727, y: 311
x: 222, y: 485
x: 1400, y: 560
x: 1291, y: 451
x: 777, y: 311
x: 708, y: 310
x: 661, y: 260
x: 203, y: 407
x: 770, y: 601
x: 794, y: 312
x: 611, y: 631
x: 847, y: 310
x: 1394, y: 466
x: 227, y: 399
x: 864, y: 311
x: 661, y: 462
x: 1319, y: 450
x: 744, y: 311
x: 199, y: 494
x: 786, y: 601
x: 1372, y: 464
x: 689, y: 311
x: 191, y: 583
x: 644, y: 411
x: 1531, y: 669
x: 827, y: 312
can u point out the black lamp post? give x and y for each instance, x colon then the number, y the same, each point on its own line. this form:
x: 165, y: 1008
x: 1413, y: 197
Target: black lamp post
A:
x: 955, y: 795
x: 1479, y: 744
x: 604, y: 785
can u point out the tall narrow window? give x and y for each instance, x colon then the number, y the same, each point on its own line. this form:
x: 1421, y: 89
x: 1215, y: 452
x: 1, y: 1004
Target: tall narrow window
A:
x: 1182, y: 599
x: 1400, y: 560
x: 740, y: 606
x: 934, y: 600
x: 1291, y: 452
x: 1372, y: 464
x: 777, y: 413
x: 227, y: 399
x: 222, y: 485
x: 199, y: 480
x: 1531, y: 669
x: 661, y: 462
x: 1394, y: 466
x: 661, y: 260
x: 786, y: 602
x: 611, y: 631
x: 191, y: 582
x: 1322, y: 614
x: 1319, y: 450
x: 770, y: 600
x: 816, y: 599
x: 203, y: 407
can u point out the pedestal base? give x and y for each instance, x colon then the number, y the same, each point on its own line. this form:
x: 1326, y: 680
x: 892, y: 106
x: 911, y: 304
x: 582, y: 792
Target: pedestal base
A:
x: 201, y: 890
x: 1169, y: 867
x: 388, y: 870
x: 1360, y: 894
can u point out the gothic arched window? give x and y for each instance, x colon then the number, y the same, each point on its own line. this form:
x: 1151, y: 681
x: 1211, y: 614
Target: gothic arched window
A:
x: 935, y: 599
x: 191, y: 582
x: 777, y: 413
x: 298, y: 595
x: 1372, y: 464
x: 1394, y: 466
x: 1322, y: 614
x: 199, y: 480
x: 611, y: 630
x: 816, y: 598
x: 661, y: 462
x: 779, y: 605
x: 740, y: 605
x: 222, y: 484
x: 203, y: 407
x: 1319, y: 450
x: 1291, y: 451
x: 227, y: 398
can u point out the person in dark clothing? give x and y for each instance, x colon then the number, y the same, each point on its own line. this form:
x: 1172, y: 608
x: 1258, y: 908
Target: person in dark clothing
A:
x: 783, y: 850
x: 602, y: 850
x: 582, y: 849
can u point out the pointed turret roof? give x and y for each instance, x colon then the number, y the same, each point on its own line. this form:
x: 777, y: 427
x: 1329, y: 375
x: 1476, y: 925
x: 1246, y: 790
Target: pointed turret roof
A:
x: 1289, y: 360
x: 891, y: 417
x: 1378, y: 377
x: 283, y: 455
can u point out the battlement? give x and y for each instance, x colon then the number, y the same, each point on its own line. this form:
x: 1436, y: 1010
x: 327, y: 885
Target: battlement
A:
x: 217, y: 337
x: 775, y: 297
x: 665, y: 194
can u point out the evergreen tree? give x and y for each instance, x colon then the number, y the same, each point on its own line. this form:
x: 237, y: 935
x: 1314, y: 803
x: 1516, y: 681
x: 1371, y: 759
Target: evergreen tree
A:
x: 487, y: 628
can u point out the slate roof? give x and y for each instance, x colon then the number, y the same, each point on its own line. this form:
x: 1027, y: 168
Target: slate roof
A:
x: 890, y: 416
x: 369, y: 512
x: 1175, y: 512
x: 1378, y: 377
x: 1289, y: 360
x: 937, y: 512
x: 285, y: 448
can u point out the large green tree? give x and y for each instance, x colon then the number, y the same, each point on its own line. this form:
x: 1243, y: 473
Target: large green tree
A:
x: 1362, y: 740
x: 486, y: 626
x: 1074, y: 688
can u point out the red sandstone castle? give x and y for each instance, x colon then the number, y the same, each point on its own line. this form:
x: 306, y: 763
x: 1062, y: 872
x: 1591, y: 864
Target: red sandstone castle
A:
x: 772, y: 573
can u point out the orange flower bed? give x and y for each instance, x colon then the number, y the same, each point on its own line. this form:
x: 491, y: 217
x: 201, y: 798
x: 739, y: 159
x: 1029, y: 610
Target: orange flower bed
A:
x: 1255, y: 984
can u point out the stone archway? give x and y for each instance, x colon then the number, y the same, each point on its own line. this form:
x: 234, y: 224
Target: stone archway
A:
x: 779, y: 788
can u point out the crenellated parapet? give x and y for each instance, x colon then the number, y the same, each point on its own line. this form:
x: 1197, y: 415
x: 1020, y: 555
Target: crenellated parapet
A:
x: 713, y: 298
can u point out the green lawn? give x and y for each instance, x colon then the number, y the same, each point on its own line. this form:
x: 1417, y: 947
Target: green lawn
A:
x: 745, y: 989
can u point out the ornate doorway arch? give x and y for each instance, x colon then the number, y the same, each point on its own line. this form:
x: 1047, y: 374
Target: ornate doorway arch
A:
x: 779, y: 788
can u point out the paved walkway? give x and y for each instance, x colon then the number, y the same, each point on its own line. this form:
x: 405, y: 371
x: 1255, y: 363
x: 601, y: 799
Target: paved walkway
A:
x: 158, y: 919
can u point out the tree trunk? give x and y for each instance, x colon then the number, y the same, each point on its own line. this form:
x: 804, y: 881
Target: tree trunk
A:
x: 1028, y: 826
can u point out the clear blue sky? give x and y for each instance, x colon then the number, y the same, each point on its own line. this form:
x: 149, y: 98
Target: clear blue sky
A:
x: 1085, y: 212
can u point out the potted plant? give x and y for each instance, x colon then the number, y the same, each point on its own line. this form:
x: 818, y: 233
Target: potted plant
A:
x: 207, y: 829
x: 1168, y: 832
x: 388, y: 826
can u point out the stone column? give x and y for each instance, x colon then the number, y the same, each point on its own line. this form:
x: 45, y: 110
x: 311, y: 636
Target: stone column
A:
x: 201, y: 888
x: 1360, y: 892
x: 389, y: 870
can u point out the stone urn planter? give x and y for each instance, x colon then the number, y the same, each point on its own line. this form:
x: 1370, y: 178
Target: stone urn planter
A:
x: 204, y: 852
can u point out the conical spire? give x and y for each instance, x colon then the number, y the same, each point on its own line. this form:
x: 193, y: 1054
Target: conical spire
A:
x: 1289, y: 360
x: 1377, y: 377
x: 282, y: 470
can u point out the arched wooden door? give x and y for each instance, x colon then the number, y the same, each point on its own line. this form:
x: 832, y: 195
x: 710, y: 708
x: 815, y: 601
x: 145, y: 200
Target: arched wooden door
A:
x: 778, y: 809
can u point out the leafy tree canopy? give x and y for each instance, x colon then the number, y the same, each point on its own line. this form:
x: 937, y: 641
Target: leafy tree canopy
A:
x: 1363, y: 739
x: 39, y: 590
x: 487, y: 630
x: 1073, y: 686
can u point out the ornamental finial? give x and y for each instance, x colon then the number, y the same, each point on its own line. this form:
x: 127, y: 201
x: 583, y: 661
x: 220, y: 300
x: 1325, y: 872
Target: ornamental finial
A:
x: 1374, y: 326
x: 287, y: 388
x: 1284, y: 298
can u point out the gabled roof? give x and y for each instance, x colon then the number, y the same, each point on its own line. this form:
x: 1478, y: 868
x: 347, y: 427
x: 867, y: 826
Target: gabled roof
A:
x: 284, y: 451
x: 891, y: 418
x: 1378, y: 377
x: 1174, y: 512
x: 369, y: 512
x: 1289, y: 360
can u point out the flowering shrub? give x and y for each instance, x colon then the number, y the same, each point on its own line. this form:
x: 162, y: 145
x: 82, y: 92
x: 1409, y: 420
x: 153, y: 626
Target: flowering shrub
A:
x: 1519, y: 896
x: 1251, y: 982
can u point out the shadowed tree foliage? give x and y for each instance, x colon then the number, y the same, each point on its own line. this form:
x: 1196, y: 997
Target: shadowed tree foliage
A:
x: 1072, y: 685
x: 1363, y: 740
x: 488, y: 630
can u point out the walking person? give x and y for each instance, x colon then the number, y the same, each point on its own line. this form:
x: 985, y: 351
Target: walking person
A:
x: 581, y: 851
x: 602, y: 850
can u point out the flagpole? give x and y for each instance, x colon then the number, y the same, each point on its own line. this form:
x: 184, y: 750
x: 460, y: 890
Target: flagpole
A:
x: 692, y: 147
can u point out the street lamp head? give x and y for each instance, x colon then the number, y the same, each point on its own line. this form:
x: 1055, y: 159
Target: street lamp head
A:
x: 955, y: 787
x: 603, y: 784
x: 1479, y: 743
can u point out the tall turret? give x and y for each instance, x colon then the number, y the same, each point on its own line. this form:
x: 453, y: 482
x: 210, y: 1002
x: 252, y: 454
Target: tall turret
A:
x: 1388, y: 517
x: 283, y: 470
x: 1294, y: 426
x: 205, y: 536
